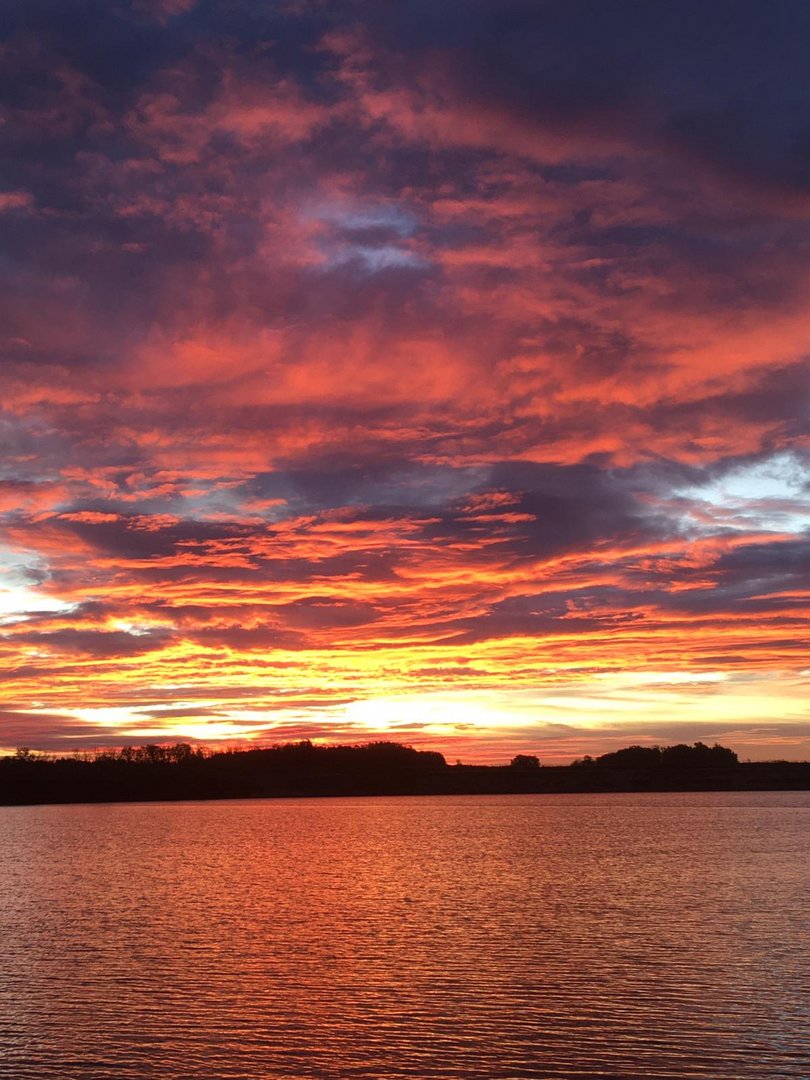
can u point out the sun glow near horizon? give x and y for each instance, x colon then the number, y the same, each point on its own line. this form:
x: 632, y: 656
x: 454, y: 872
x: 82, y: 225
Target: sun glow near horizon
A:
x: 559, y: 723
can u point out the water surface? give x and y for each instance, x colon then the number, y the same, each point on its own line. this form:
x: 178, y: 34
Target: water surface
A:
x: 575, y: 936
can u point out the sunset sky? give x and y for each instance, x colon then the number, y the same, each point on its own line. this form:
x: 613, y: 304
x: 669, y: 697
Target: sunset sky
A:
x: 425, y: 371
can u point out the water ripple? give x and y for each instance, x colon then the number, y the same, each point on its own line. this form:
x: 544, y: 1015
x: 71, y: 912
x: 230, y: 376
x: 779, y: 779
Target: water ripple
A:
x: 645, y: 937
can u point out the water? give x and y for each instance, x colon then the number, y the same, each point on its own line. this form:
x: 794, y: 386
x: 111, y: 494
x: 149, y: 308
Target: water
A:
x: 641, y: 936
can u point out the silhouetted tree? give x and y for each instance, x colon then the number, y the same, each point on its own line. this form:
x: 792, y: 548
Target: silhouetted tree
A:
x: 699, y: 756
x: 632, y: 757
x: 525, y: 761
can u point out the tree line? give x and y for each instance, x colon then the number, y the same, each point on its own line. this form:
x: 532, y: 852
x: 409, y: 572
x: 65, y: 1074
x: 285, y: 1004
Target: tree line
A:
x: 182, y: 771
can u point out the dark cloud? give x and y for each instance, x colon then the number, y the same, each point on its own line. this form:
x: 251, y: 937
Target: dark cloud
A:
x: 95, y: 643
x: 549, y: 508
x: 187, y: 712
x: 51, y: 731
x: 723, y: 82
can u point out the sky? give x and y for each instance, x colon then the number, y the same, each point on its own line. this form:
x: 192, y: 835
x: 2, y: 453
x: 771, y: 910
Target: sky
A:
x: 433, y: 372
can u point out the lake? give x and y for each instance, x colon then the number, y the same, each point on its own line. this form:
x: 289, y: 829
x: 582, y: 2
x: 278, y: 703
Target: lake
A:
x: 571, y: 936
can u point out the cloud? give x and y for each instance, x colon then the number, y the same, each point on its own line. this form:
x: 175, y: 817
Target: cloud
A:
x: 353, y: 353
x: 15, y: 200
x: 51, y: 731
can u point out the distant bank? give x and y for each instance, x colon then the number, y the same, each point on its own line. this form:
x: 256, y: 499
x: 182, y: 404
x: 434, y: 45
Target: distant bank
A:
x: 151, y: 773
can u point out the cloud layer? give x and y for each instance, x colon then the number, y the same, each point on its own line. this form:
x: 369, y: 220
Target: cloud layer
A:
x: 398, y: 368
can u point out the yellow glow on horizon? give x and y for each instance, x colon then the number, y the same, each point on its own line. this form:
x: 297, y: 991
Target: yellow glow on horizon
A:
x: 107, y: 716
x: 443, y: 712
x: 573, y: 711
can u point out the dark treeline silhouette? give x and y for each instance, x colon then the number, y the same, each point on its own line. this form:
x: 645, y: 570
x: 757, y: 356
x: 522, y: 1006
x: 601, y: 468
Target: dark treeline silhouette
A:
x: 184, y: 772
x: 156, y: 772
x: 667, y: 758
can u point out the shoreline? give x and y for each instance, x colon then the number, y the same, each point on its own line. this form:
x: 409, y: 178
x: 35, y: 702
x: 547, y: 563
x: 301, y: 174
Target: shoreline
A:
x: 171, y: 783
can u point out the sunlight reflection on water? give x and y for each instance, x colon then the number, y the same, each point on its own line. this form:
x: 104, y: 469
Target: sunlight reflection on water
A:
x: 659, y: 936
